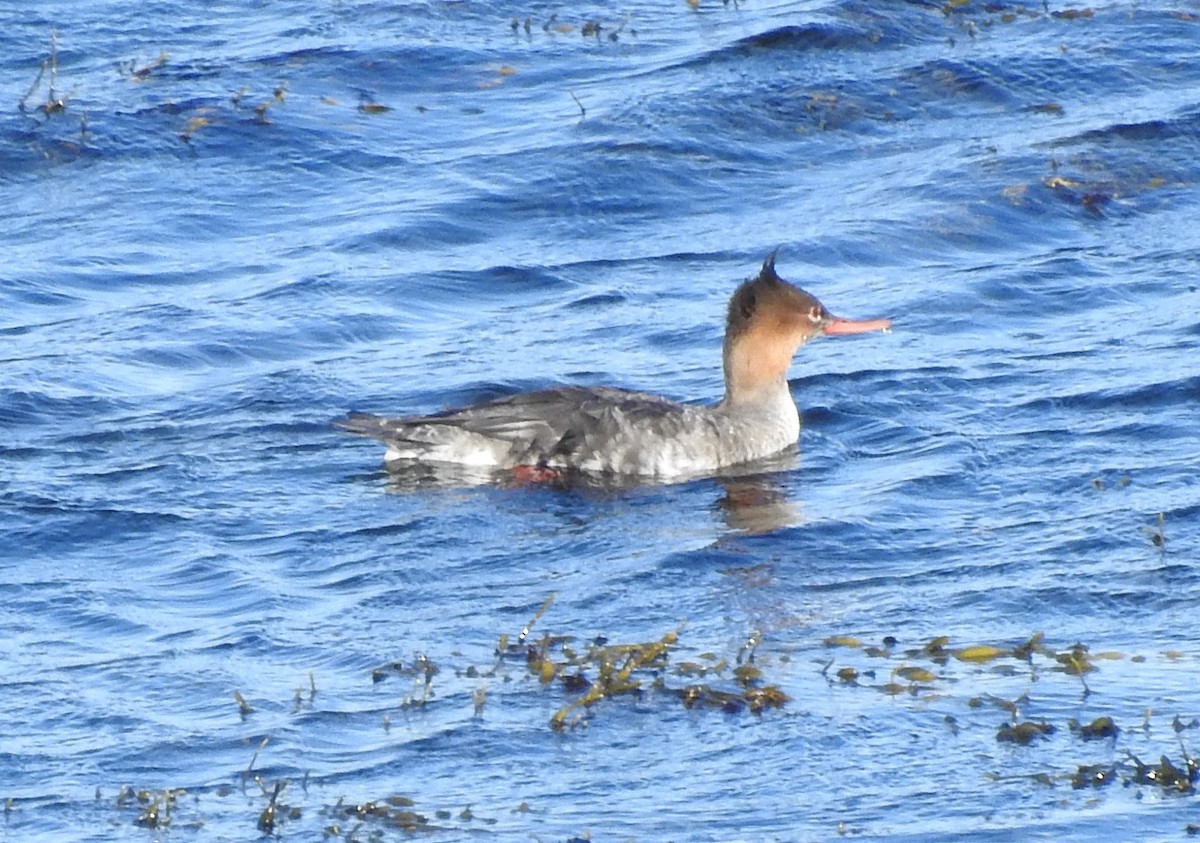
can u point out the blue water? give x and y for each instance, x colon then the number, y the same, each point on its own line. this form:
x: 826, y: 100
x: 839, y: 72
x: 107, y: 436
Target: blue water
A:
x: 201, y: 273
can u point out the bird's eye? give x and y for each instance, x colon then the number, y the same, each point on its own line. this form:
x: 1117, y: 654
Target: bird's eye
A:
x: 815, y: 314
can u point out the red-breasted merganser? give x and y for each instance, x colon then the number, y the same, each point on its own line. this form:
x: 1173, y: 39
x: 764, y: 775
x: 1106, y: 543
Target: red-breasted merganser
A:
x: 601, y: 430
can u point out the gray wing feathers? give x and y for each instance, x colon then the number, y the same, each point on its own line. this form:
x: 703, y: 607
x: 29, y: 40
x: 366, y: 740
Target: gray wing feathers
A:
x: 536, y: 424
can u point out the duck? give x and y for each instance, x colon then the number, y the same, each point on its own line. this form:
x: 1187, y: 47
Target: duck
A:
x: 563, y: 430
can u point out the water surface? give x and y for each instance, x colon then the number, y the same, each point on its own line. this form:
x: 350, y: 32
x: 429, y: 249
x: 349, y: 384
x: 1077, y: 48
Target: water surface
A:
x: 227, y: 226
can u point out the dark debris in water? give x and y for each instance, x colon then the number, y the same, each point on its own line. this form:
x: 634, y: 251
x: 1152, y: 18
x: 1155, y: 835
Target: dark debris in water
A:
x: 349, y: 821
x: 589, y: 28
x: 275, y: 811
x: 362, y: 821
x: 1093, y: 775
x: 56, y: 101
x: 420, y: 670
x: 1102, y: 728
x: 928, y: 668
x: 593, y: 670
x: 1167, y: 775
x: 1024, y: 733
x: 419, y: 667
x: 155, y: 808
x: 600, y: 670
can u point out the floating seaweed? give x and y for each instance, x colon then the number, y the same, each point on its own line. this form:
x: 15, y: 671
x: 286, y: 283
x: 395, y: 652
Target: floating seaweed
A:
x: 55, y: 102
x: 1011, y: 707
x: 278, y: 95
x: 618, y: 669
x: 981, y: 653
x: 1166, y: 774
x: 1102, y: 728
x: 915, y: 674
x: 393, y: 812
x: 592, y: 670
x: 601, y: 670
x: 421, y: 670
x: 1073, y: 14
x: 271, y: 815
x: 155, y: 807
x: 1026, y: 651
x: 1023, y: 734
x: 1157, y: 537
x: 421, y: 667
x: 589, y: 28
x: 934, y: 650
x: 244, y: 708
x: 1093, y: 775
x: 158, y: 810
x: 1076, y: 662
x: 134, y: 73
x: 312, y: 694
x: 248, y: 773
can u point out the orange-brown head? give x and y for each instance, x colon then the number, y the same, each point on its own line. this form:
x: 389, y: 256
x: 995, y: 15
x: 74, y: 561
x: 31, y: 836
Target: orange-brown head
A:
x: 768, y: 320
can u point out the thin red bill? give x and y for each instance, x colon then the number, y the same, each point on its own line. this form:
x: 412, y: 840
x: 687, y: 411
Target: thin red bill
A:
x: 837, y: 325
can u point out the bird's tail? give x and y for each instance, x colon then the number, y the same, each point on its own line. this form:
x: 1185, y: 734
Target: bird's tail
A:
x: 363, y: 424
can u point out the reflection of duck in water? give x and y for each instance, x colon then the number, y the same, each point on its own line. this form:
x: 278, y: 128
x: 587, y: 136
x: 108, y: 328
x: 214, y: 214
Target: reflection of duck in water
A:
x: 755, y: 504
x: 601, y: 430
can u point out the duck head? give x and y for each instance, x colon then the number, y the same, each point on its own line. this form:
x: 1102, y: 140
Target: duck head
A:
x: 769, y: 319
